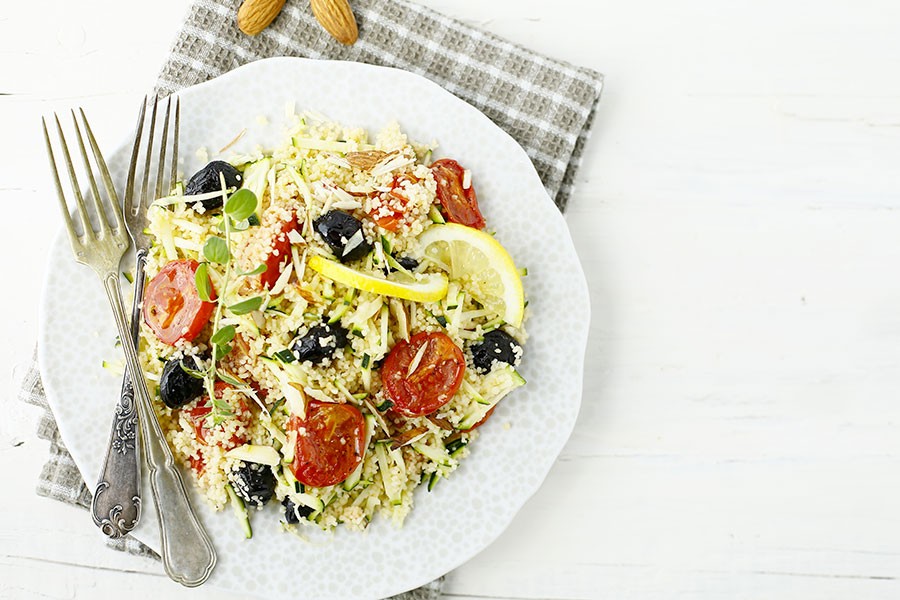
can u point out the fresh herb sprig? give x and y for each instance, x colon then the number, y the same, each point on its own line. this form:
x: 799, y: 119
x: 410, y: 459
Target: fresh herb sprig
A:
x: 236, y: 216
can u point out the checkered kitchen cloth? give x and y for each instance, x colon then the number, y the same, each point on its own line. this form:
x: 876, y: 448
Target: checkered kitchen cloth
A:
x: 548, y: 106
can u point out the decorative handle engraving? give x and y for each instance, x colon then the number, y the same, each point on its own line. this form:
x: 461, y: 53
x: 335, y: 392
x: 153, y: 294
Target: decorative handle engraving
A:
x: 187, y: 552
x: 116, y: 506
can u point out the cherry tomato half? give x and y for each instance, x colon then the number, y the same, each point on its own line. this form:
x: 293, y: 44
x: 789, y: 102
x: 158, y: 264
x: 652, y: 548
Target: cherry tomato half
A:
x: 458, y: 205
x: 329, y: 443
x: 280, y: 254
x: 172, y: 307
x: 392, y: 221
x: 198, y: 413
x: 434, y: 379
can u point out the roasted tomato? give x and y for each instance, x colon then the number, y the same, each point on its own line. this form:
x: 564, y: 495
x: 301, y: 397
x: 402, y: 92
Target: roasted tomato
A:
x: 198, y: 413
x: 458, y: 205
x: 172, y: 307
x: 330, y: 443
x: 391, y: 221
x: 486, y: 416
x: 280, y: 254
x: 421, y: 374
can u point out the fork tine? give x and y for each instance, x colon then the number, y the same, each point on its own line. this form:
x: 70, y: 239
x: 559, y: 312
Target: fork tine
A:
x: 95, y: 191
x: 131, y: 206
x: 174, y: 176
x: 161, y: 167
x: 70, y: 227
x: 104, y: 172
x: 146, y: 181
x: 85, y: 218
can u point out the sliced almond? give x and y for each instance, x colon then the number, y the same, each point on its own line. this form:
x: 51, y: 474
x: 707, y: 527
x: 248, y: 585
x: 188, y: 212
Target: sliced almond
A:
x: 442, y: 423
x: 408, y: 436
x: 365, y: 160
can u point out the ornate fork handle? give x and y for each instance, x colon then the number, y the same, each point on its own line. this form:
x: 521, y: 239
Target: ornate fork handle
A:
x: 116, y: 507
x: 188, y: 554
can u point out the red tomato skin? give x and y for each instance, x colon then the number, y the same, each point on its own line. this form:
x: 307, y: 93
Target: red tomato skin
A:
x: 320, y: 459
x: 280, y: 255
x: 458, y: 205
x: 172, y: 308
x: 486, y: 416
x: 197, y: 415
x: 392, y: 221
x: 434, y: 381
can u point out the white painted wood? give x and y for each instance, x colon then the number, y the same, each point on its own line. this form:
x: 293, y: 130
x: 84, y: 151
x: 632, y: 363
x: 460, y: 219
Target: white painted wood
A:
x: 736, y: 217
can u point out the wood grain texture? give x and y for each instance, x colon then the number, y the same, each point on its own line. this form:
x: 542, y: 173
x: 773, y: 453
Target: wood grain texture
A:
x: 736, y: 215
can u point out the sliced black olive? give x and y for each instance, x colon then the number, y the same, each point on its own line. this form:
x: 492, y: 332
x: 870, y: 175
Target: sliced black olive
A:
x: 320, y: 342
x: 293, y: 512
x: 176, y: 386
x: 497, y: 345
x: 344, y: 235
x: 408, y: 263
x: 206, y: 180
x: 253, y: 483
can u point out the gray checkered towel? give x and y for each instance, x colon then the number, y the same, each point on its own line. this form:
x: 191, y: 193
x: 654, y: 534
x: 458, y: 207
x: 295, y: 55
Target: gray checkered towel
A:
x: 546, y: 105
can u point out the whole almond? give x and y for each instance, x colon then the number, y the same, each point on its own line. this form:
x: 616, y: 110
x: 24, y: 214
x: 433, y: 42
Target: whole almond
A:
x: 337, y: 19
x: 255, y: 15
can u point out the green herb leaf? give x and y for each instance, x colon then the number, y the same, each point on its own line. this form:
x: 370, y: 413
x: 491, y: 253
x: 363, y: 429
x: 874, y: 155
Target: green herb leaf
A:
x: 192, y: 372
x: 241, y: 205
x: 257, y: 271
x: 201, y: 282
x: 365, y: 361
x: 222, y: 407
x: 216, y: 250
x: 228, y: 379
x: 223, y: 336
x: 247, y: 306
x: 253, y: 220
x: 222, y: 352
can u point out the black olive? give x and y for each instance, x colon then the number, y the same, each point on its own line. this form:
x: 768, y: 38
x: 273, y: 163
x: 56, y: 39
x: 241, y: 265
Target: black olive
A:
x: 293, y: 512
x: 496, y: 345
x: 320, y: 342
x: 176, y: 387
x: 253, y: 483
x: 338, y: 229
x: 407, y: 262
x: 206, y: 180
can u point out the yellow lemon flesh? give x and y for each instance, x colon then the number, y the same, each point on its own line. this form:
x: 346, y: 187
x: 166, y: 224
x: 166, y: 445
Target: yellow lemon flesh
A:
x: 481, y: 266
x: 427, y: 288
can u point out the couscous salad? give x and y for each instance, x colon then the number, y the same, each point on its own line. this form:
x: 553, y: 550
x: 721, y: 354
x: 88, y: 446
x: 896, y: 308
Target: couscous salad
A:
x: 327, y: 324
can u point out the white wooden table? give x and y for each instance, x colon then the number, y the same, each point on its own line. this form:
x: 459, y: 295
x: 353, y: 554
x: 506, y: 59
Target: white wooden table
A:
x: 736, y: 217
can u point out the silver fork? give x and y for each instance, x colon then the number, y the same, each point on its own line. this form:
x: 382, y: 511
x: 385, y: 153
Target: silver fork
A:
x: 116, y: 504
x: 187, y: 552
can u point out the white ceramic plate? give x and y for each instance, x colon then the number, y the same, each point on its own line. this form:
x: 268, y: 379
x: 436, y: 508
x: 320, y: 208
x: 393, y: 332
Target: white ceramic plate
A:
x: 507, y: 465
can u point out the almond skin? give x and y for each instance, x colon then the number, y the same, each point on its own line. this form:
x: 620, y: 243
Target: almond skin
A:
x: 255, y: 15
x: 365, y: 160
x: 337, y: 19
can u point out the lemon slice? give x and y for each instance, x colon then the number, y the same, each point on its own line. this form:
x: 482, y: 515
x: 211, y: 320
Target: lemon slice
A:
x: 481, y: 265
x: 430, y: 288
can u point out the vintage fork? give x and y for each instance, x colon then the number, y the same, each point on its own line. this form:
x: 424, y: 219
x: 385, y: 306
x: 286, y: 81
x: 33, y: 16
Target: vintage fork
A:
x: 187, y: 553
x: 116, y: 504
